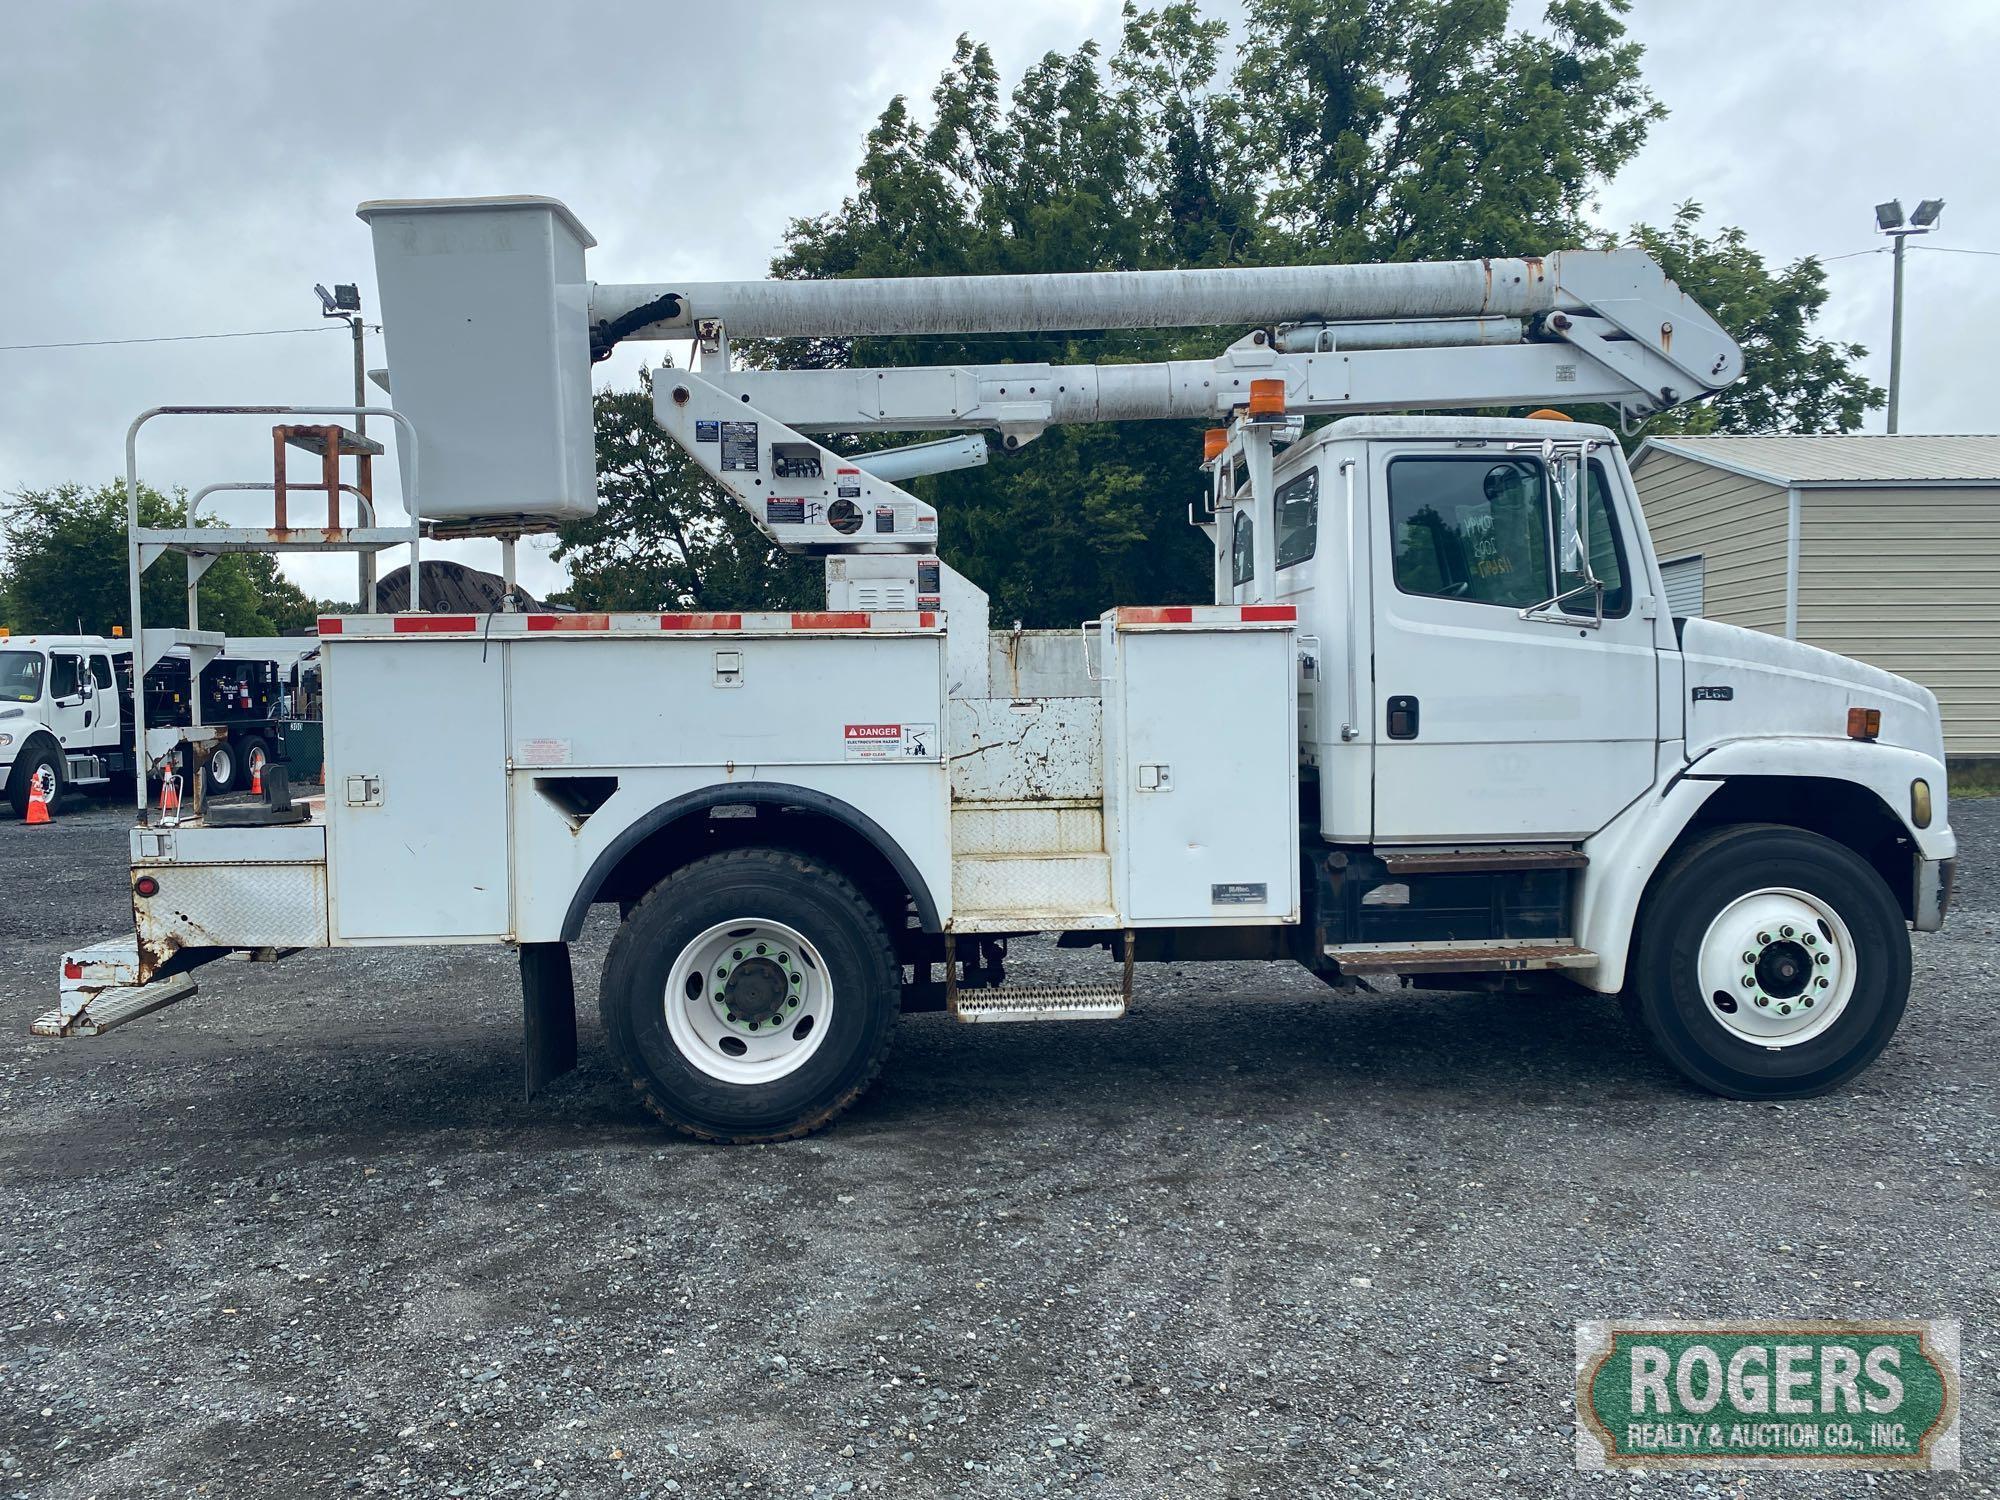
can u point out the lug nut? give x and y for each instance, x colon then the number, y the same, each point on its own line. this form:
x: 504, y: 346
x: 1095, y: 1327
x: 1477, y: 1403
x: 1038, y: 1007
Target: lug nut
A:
x: 1783, y: 1010
x: 1807, y: 1002
x: 1824, y: 958
x: 1824, y: 983
x: 1762, y: 937
x: 1786, y: 931
x: 1749, y: 981
x: 1811, y: 941
x: 1763, y: 1002
x: 1749, y: 958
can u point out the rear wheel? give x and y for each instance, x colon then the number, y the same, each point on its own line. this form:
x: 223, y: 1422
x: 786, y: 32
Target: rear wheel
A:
x: 750, y: 996
x: 222, y: 768
x: 256, y: 757
x: 1773, y: 963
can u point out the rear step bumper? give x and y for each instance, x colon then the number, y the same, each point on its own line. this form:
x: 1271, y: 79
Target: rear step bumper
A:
x: 101, y: 989
x: 1457, y: 958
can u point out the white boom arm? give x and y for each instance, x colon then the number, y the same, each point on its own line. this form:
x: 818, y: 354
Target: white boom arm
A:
x: 492, y: 327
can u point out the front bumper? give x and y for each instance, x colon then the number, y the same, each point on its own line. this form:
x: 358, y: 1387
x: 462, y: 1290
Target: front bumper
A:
x: 1932, y: 892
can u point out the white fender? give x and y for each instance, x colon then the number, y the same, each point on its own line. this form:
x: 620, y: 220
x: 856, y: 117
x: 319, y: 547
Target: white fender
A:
x: 1626, y: 852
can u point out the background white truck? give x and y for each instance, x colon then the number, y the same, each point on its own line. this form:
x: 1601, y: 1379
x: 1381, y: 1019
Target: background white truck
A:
x: 1435, y: 722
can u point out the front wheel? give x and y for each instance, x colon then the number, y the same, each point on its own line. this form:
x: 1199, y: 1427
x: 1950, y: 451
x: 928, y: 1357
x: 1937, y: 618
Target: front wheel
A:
x: 750, y: 996
x: 1773, y: 963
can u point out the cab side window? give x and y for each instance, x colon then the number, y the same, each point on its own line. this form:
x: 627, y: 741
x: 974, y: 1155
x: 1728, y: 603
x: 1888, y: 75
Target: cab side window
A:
x: 1472, y: 527
x: 1298, y: 518
x: 1242, y: 555
x: 100, y: 673
x: 65, y: 675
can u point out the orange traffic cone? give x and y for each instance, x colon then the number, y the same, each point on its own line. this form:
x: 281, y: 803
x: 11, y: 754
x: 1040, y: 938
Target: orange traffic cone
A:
x: 38, y: 796
x: 170, y: 793
x: 256, y: 778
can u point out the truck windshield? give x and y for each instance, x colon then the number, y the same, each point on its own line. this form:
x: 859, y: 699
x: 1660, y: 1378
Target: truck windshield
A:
x: 20, y: 676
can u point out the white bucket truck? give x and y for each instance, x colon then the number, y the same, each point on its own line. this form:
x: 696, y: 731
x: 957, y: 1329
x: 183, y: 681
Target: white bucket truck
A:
x: 1435, y: 723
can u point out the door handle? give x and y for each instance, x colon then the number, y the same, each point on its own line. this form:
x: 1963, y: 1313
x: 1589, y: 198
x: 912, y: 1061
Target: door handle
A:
x: 1403, y: 717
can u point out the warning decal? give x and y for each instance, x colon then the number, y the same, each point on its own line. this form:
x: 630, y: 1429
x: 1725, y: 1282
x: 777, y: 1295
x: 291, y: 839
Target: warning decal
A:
x: 707, y: 432
x: 889, y: 741
x: 739, y: 447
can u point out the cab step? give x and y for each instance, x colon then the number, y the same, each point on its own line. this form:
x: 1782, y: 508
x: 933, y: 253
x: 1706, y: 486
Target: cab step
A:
x: 1485, y: 956
x: 1478, y: 861
x: 101, y: 990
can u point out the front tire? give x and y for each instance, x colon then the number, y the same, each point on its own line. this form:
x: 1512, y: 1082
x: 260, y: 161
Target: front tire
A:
x: 26, y: 768
x: 1773, y: 964
x: 750, y: 996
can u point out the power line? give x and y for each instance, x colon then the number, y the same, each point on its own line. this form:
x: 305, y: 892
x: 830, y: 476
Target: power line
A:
x: 1953, y: 250
x: 1871, y: 250
x: 182, y: 338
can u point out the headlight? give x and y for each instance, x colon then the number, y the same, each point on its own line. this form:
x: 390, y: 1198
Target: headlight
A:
x: 1920, y: 802
x: 6, y: 740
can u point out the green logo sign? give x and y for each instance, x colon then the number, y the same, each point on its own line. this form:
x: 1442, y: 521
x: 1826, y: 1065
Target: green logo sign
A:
x: 1767, y: 1395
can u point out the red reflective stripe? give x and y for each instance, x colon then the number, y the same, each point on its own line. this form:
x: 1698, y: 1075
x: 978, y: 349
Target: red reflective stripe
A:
x: 331, y: 625
x: 569, y: 622
x: 435, y: 624
x: 1171, y: 614
x: 829, y: 619
x: 925, y: 619
x: 1269, y: 612
x: 72, y: 969
x: 701, y: 622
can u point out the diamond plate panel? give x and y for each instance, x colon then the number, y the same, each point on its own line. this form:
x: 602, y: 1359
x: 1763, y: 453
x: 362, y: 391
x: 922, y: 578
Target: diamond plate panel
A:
x: 1027, y: 828
x: 234, y: 906
x: 1034, y: 886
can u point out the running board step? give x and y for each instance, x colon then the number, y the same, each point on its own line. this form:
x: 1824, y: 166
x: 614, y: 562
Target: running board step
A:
x: 1478, y: 861
x: 1042, y: 1002
x: 1038, y: 1002
x: 100, y: 990
x: 1456, y: 958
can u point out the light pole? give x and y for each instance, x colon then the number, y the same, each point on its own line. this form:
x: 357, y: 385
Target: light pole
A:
x: 344, y: 301
x: 1889, y: 220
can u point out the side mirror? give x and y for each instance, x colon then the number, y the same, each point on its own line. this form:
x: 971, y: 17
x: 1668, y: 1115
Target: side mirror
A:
x: 1572, y: 523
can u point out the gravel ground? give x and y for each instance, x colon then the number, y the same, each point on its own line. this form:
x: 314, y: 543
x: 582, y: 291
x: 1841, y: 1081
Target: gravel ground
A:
x: 300, y: 1235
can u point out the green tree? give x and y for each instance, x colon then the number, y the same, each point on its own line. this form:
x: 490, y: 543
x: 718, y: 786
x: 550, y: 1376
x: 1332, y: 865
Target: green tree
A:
x: 1375, y: 129
x: 1793, y: 381
x: 664, y: 535
x: 65, y: 569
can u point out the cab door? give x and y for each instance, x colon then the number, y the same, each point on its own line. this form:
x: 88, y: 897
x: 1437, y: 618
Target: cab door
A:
x: 1493, y: 719
x: 72, y: 700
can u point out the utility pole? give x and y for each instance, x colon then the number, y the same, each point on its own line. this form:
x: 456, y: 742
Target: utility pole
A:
x: 344, y: 301
x: 1889, y: 220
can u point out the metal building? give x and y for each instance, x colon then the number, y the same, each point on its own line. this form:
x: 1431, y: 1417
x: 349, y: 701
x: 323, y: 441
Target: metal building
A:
x: 1882, y: 548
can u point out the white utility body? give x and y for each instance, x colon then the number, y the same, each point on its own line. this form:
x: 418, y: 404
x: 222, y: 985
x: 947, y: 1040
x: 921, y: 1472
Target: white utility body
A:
x: 1435, y: 720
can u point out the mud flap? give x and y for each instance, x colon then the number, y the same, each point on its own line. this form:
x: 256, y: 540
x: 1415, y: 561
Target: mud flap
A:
x: 548, y: 1015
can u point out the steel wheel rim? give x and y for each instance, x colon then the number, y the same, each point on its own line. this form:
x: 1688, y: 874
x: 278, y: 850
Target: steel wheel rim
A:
x: 737, y: 1012
x: 221, y: 766
x: 257, y: 759
x: 1777, y: 967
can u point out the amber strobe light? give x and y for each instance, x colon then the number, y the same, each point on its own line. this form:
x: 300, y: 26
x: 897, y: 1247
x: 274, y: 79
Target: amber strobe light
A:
x: 1213, y: 442
x: 1267, y: 400
x: 1864, y: 723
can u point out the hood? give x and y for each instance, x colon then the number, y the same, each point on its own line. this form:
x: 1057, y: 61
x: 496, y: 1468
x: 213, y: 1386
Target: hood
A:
x: 1745, y: 684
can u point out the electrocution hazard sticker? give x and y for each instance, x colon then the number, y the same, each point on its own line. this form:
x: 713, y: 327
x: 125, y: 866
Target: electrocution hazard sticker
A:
x: 889, y: 741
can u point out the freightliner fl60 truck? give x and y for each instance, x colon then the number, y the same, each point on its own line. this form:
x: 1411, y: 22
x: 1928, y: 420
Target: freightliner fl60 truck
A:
x: 1435, y: 723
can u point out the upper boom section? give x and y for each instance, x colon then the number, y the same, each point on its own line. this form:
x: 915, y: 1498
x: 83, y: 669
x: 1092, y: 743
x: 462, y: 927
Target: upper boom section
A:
x: 1238, y: 297
x: 492, y: 327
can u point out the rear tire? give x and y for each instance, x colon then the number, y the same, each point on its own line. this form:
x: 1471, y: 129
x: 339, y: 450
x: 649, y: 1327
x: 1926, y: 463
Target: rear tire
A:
x: 223, y: 769
x: 1772, y: 964
x: 750, y: 996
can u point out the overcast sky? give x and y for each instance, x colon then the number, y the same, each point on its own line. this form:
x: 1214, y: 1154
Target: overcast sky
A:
x: 192, y: 168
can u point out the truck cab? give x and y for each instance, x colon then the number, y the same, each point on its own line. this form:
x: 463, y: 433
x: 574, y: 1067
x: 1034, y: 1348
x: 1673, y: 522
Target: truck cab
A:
x: 65, y: 704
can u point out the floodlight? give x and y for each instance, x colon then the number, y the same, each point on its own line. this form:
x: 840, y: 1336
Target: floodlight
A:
x: 1889, y: 215
x: 1927, y: 212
